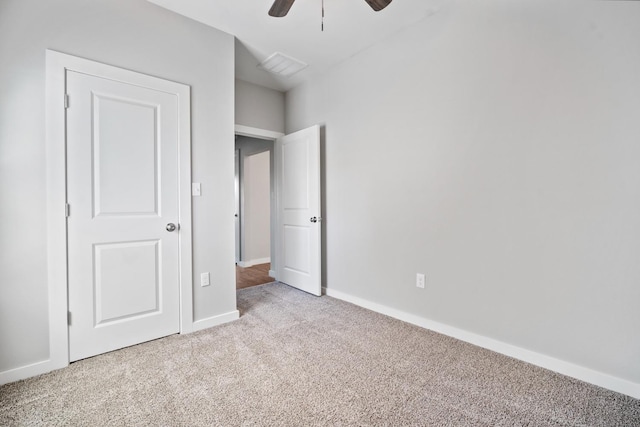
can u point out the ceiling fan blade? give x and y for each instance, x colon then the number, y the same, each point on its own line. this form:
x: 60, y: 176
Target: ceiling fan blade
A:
x: 280, y: 8
x: 378, y: 5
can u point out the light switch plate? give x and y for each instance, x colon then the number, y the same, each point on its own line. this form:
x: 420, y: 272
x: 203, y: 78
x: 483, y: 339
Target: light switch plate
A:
x: 204, y: 279
x: 195, y: 189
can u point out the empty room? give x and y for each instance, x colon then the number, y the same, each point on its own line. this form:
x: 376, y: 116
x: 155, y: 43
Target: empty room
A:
x: 450, y: 231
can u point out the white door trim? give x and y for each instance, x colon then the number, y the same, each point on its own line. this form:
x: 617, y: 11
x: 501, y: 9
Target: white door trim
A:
x: 57, y: 65
x: 270, y: 135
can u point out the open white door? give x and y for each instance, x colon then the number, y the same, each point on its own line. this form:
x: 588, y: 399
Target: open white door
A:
x: 123, y: 230
x: 298, y: 242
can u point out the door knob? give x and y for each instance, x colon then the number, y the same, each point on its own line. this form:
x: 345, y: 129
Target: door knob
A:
x: 171, y: 227
x: 313, y: 219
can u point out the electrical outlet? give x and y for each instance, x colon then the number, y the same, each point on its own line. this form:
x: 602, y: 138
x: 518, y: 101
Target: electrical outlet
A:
x: 204, y: 279
x: 420, y: 280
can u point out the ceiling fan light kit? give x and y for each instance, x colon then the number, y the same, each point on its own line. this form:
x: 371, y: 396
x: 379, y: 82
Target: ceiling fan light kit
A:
x: 280, y: 8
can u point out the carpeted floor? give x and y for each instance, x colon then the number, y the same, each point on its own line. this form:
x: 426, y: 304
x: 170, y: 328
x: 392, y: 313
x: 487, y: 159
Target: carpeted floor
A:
x: 298, y: 360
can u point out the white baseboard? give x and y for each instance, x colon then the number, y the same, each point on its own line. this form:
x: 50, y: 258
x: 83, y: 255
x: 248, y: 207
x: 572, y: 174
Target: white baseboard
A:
x: 272, y: 273
x: 48, y: 365
x: 560, y: 366
x: 28, y: 371
x: 215, y: 320
x: 252, y: 262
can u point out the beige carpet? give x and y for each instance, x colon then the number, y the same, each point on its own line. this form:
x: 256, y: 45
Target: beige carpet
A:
x: 298, y: 360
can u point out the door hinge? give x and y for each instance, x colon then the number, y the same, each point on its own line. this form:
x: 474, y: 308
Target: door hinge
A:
x: 66, y: 100
x: 69, y: 318
x: 67, y: 210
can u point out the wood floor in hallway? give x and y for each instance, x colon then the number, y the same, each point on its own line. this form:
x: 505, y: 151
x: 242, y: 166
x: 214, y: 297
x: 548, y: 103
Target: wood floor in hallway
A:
x: 252, y: 276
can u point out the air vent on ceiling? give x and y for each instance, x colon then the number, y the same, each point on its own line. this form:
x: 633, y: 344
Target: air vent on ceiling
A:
x: 282, y: 65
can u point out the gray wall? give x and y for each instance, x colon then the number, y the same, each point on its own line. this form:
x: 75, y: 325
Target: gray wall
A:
x: 249, y: 147
x: 256, y: 185
x: 259, y: 107
x: 131, y: 34
x: 494, y: 147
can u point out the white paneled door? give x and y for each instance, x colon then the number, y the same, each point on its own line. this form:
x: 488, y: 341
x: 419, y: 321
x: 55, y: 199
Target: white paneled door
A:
x: 123, y: 244
x: 298, y: 203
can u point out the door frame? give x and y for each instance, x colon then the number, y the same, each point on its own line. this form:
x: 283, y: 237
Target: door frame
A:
x: 268, y: 135
x: 237, y: 203
x: 57, y: 65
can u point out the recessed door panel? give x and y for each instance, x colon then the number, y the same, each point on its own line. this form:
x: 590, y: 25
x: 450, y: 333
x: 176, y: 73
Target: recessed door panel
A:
x: 131, y: 269
x: 296, y: 260
x: 295, y: 176
x: 124, y: 126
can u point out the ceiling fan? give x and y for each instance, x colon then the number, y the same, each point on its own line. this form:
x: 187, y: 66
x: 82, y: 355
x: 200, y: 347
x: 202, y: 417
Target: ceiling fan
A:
x: 280, y: 8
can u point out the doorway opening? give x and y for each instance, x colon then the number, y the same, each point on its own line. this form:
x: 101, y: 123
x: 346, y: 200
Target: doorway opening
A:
x: 254, y: 192
x: 295, y: 210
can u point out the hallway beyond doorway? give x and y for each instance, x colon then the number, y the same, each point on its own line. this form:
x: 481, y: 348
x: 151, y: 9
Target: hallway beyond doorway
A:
x: 253, y: 276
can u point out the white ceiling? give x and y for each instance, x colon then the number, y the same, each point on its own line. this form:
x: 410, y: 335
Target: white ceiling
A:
x: 350, y: 26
